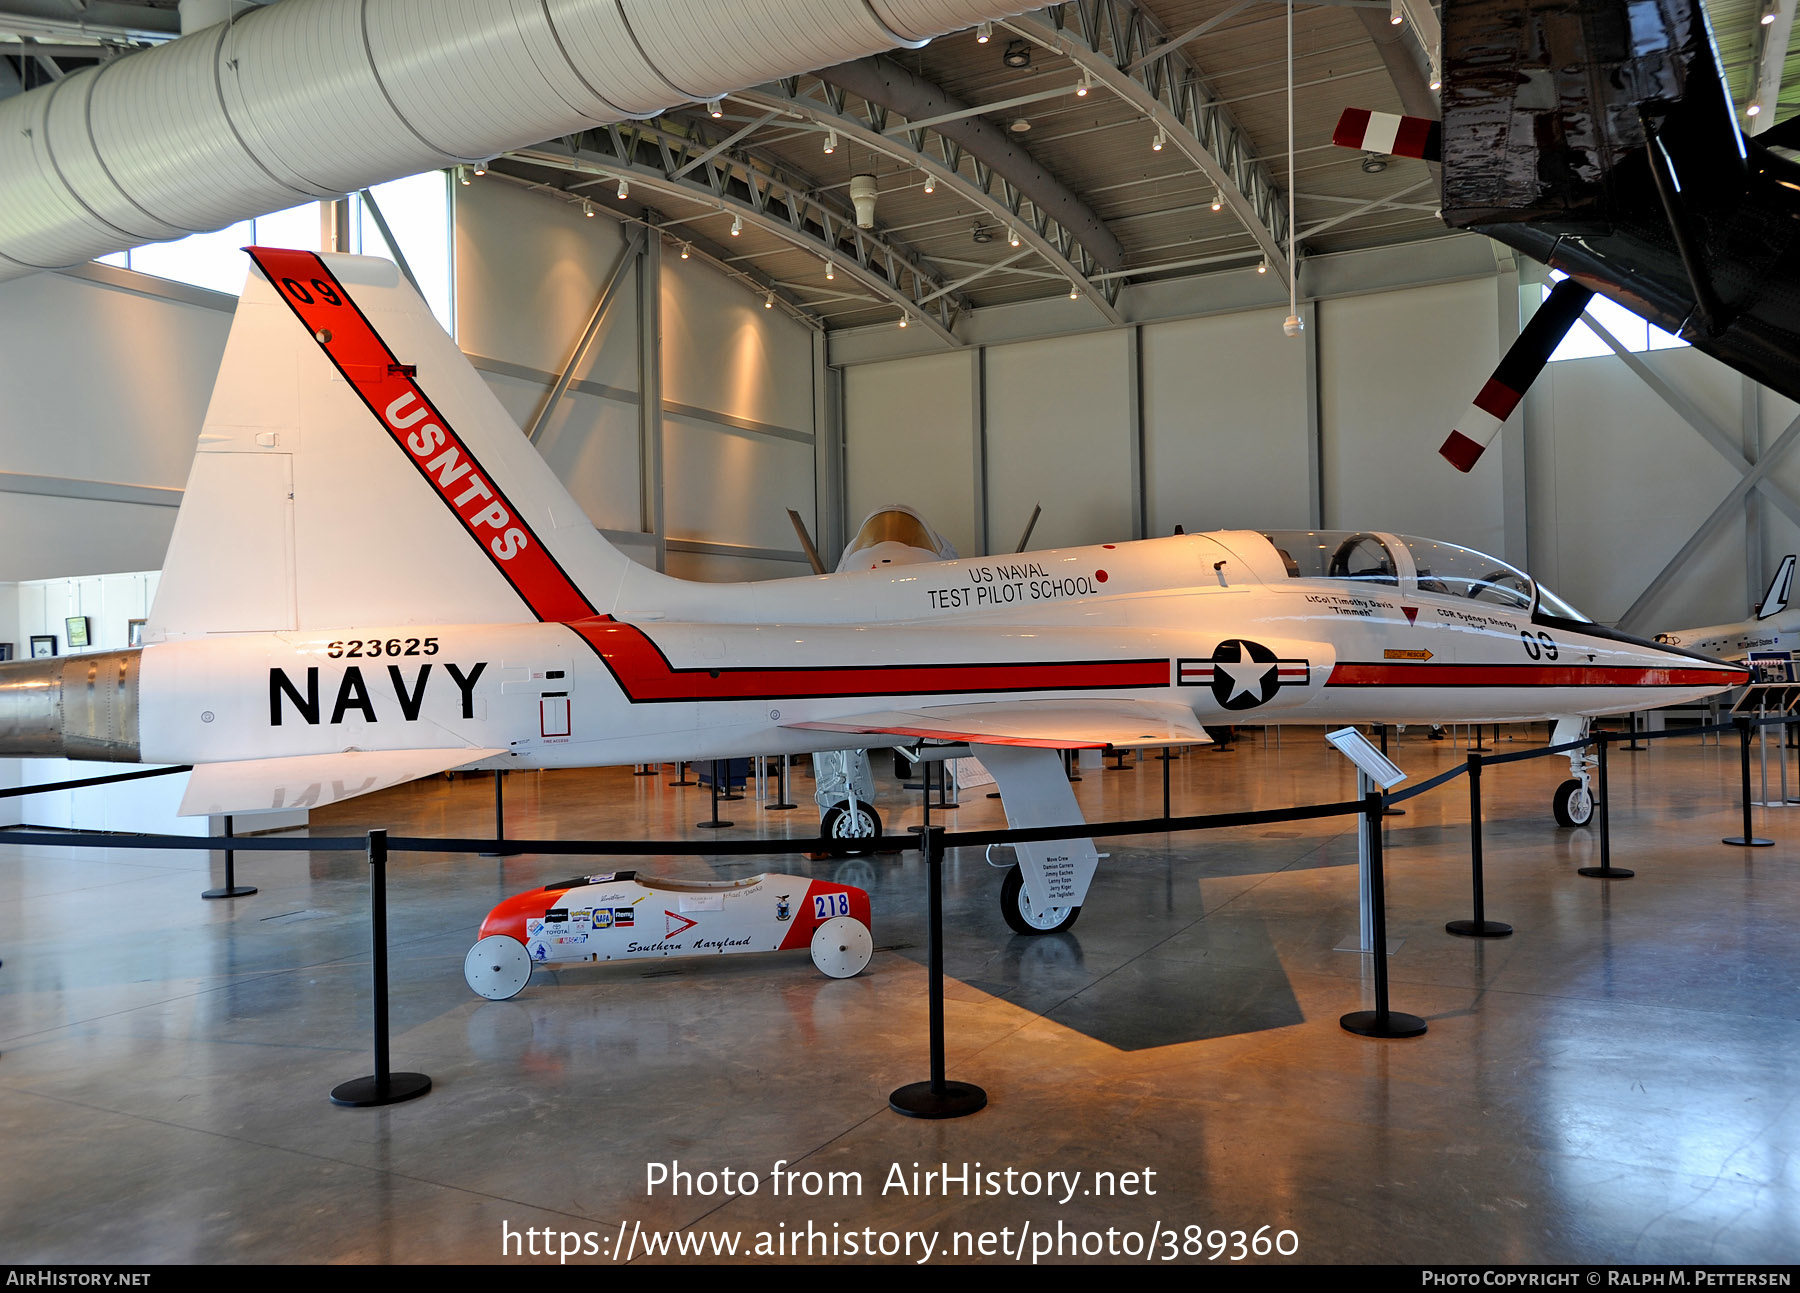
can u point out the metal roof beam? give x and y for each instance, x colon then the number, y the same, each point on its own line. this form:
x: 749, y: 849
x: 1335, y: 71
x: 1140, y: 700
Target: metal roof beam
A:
x: 942, y: 159
x: 1108, y: 37
x: 646, y: 156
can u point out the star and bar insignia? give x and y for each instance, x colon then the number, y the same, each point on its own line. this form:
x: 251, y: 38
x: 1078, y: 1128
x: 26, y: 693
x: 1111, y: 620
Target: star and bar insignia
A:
x: 1242, y: 674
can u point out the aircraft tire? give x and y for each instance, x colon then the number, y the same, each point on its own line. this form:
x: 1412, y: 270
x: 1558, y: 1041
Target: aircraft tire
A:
x: 1572, y: 805
x: 1017, y: 910
x: 839, y: 823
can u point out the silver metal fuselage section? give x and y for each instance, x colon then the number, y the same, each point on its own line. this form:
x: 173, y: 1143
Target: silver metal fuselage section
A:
x: 71, y: 707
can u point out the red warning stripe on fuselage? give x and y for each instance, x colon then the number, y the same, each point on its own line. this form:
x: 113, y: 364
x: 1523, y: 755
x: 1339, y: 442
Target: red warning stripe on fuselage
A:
x: 1352, y: 674
x: 430, y: 443
x: 645, y: 674
x: 389, y: 390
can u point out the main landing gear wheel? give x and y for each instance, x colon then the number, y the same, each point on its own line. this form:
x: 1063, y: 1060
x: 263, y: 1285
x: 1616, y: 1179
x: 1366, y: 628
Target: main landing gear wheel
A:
x: 498, y: 967
x: 1016, y: 906
x: 860, y: 823
x: 1572, y: 804
x: 841, y: 947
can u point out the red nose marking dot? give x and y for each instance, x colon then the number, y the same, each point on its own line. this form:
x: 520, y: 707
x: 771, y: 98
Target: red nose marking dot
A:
x: 1101, y: 574
x: 1109, y: 545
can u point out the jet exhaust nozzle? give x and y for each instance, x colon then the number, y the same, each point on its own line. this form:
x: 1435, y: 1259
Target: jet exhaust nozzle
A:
x: 71, y: 707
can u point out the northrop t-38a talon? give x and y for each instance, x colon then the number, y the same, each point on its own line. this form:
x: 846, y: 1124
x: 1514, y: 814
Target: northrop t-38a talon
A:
x: 374, y: 577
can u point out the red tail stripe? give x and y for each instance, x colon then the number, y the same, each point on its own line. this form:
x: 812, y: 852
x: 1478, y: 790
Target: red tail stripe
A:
x: 350, y: 341
x: 645, y: 674
x: 1524, y: 675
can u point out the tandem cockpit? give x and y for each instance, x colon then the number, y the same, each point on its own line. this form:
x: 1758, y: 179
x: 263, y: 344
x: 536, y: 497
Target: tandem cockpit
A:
x: 1417, y: 567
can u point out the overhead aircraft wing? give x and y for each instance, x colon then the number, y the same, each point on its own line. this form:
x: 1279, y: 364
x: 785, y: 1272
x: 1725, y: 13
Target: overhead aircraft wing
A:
x: 312, y: 780
x: 1050, y: 724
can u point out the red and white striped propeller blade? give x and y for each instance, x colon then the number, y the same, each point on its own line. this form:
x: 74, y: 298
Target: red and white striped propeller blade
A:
x: 1390, y: 133
x: 1537, y: 341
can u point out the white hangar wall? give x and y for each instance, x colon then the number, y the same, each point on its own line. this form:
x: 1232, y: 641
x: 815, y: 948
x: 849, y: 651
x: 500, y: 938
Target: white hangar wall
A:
x: 107, y: 374
x: 1216, y: 420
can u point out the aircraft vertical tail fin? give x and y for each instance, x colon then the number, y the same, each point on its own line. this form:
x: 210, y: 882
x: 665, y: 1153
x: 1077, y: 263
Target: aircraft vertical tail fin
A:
x: 355, y: 469
x: 1776, y: 599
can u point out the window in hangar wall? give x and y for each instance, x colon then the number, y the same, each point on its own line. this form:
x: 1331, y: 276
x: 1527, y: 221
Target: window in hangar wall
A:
x: 417, y: 209
x: 1635, y: 334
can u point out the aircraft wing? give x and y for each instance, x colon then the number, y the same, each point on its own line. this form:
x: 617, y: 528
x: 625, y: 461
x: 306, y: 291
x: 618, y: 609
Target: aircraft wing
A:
x: 1058, y: 725
x: 312, y: 780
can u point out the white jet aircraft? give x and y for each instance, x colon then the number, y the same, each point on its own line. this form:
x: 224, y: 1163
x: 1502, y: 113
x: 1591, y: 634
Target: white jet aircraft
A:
x: 374, y: 577
x: 1772, y: 628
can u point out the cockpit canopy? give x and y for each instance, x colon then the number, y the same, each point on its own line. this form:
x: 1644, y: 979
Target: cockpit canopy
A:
x: 1415, y: 566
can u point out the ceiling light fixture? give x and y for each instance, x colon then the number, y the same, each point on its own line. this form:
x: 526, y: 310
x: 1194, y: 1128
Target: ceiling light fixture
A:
x: 1374, y: 164
x: 1074, y: 292
x: 769, y: 301
x: 1396, y: 15
x: 830, y: 141
x: 624, y: 189
x: 587, y: 208
x: 684, y: 251
x: 462, y: 174
x: 1769, y: 7
x: 481, y: 168
x: 1017, y: 55
x: 1019, y: 125
x: 1754, y: 109
x: 1437, y: 77
x: 830, y: 271
x: 1012, y: 237
x: 737, y: 225
x: 715, y: 108
x: 984, y: 33
x: 930, y: 185
x: 1218, y: 201
x: 1262, y: 266
x: 1156, y: 144
x: 903, y: 318
x: 1087, y: 83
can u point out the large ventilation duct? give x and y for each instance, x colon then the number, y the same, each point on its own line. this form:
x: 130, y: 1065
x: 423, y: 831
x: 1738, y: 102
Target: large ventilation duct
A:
x: 883, y: 81
x: 313, y: 99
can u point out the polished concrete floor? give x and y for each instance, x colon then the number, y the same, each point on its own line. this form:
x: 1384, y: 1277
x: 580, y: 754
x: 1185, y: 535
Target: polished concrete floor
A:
x: 1614, y: 1083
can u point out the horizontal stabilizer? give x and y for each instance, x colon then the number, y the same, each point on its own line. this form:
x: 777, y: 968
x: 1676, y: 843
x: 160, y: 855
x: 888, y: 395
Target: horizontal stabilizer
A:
x: 1057, y: 725
x: 1389, y: 133
x: 312, y: 780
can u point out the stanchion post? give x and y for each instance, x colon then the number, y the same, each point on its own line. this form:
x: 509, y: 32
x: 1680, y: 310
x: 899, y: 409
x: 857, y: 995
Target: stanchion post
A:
x: 231, y: 889
x: 499, y: 849
x: 1480, y: 926
x: 681, y: 773
x: 1749, y: 838
x: 937, y: 1097
x: 1165, y: 767
x: 1606, y: 870
x: 1381, y: 1021
x: 715, y: 821
x: 382, y: 1087
x: 781, y: 786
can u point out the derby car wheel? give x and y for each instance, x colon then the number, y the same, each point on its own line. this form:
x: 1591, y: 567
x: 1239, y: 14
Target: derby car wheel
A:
x: 1572, y: 804
x: 498, y: 967
x: 840, y: 823
x: 841, y: 947
x: 1016, y: 907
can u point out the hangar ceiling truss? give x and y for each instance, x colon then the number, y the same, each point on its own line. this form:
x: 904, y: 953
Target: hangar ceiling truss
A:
x: 1127, y: 50
x: 966, y: 176
x: 689, y: 167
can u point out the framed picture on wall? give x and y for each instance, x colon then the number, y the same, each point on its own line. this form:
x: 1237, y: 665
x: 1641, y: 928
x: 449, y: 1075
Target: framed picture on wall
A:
x: 6, y: 649
x: 42, y: 644
x: 77, y: 626
x: 134, y: 633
